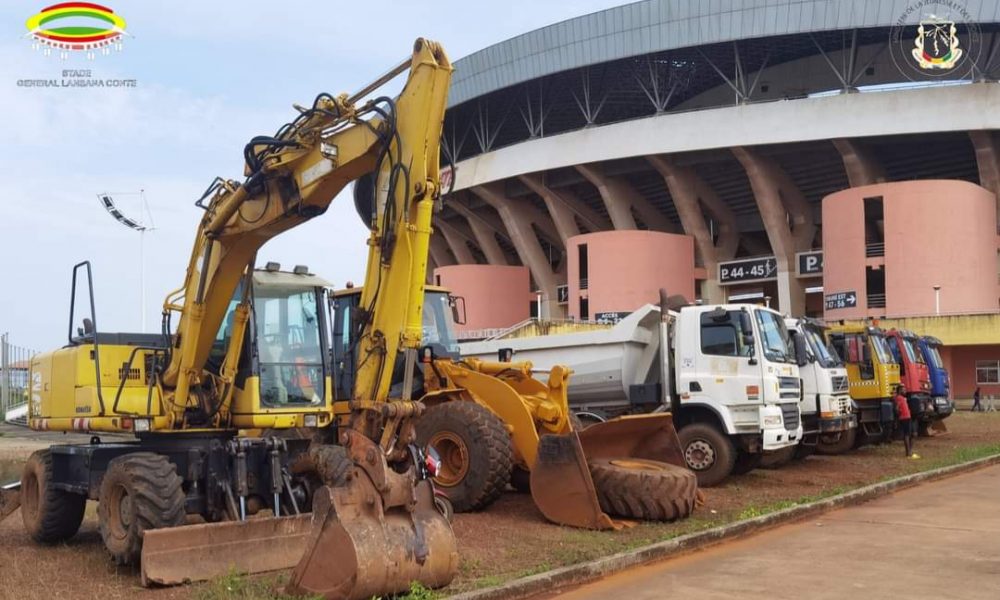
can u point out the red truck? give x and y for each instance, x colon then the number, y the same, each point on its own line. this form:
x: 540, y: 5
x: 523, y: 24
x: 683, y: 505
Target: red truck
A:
x: 913, y: 373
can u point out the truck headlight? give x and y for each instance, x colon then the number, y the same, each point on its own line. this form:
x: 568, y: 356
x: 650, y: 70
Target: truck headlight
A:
x: 772, y: 421
x: 310, y: 421
x: 141, y: 424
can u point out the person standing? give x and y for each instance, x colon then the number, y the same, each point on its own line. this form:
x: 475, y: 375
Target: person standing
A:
x: 904, y: 420
x: 976, y: 406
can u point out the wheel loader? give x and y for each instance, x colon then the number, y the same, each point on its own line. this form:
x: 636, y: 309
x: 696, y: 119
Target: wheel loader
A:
x: 494, y: 423
x: 187, y: 392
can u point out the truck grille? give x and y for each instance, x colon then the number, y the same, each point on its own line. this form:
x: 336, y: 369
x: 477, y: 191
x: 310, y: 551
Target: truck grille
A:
x: 790, y: 415
x: 839, y: 384
x: 789, y: 388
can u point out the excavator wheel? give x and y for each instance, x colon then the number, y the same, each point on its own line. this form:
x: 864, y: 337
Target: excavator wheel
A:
x: 644, y: 489
x: 49, y: 515
x: 139, y: 492
x: 475, y: 449
x: 845, y: 443
x: 707, y: 452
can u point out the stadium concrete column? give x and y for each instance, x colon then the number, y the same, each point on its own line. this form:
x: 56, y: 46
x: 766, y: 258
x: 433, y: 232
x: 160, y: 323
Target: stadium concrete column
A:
x: 565, y: 208
x: 988, y: 161
x: 788, y: 220
x: 689, y: 193
x: 439, y: 253
x: 620, y: 198
x: 456, y: 242
x: 518, y: 220
x: 485, y: 234
x: 862, y: 168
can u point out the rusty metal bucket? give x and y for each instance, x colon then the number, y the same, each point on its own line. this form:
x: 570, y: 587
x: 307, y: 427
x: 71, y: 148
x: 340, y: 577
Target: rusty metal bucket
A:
x: 561, y: 484
x: 177, y: 555
x: 10, y: 499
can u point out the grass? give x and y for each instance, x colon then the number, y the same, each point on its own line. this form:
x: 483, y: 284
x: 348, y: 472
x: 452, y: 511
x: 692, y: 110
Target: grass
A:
x: 237, y: 586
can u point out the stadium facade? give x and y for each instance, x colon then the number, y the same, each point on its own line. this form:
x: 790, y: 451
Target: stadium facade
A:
x: 832, y: 158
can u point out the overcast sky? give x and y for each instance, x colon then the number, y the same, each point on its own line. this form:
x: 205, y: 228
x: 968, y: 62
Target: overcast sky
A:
x: 211, y: 76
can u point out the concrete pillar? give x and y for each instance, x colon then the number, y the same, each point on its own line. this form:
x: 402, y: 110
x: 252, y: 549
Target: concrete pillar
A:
x: 485, y: 235
x: 988, y: 161
x: 861, y: 166
x: 439, y: 252
x: 787, y: 219
x: 456, y: 242
x: 518, y: 219
x: 563, y: 207
x: 620, y: 198
x: 689, y: 193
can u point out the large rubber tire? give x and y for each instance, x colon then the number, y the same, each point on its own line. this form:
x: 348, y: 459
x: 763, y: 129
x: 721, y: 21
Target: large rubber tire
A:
x: 778, y: 458
x: 49, y: 515
x: 746, y: 462
x: 708, y: 452
x: 139, y: 492
x: 475, y: 449
x: 803, y: 451
x: 844, y: 444
x: 332, y: 464
x: 923, y: 429
x: 644, y: 489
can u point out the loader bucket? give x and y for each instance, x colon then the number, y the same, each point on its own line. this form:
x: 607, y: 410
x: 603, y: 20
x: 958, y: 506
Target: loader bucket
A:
x: 561, y: 485
x: 10, y: 499
x: 177, y: 555
x: 357, y: 551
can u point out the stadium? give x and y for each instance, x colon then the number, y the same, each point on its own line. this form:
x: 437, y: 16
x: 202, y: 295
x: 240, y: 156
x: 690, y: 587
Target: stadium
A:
x: 834, y: 159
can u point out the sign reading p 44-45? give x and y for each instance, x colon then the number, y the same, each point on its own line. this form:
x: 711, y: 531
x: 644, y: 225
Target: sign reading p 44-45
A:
x: 764, y: 268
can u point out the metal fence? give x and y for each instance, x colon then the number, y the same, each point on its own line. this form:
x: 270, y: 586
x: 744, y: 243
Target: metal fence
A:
x: 14, y: 385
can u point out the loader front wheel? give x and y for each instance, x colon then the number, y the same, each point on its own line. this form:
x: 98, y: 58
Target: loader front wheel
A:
x: 49, y: 515
x: 643, y: 489
x: 139, y: 492
x: 475, y: 449
x: 707, y: 452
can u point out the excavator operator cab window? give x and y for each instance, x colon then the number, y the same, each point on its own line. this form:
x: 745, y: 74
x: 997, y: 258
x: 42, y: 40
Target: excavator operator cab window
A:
x: 289, y: 349
x: 438, y: 324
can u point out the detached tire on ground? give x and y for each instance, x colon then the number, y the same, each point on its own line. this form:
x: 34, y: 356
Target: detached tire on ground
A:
x: 707, y: 452
x: 49, y: 515
x: 643, y: 489
x: 139, y: 492
x: 475, y: 449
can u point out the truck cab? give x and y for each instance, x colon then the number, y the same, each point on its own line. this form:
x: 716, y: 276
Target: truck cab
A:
x: 940, y: 382
x: 913, y: 372
x: 872, y: 375
x: 827, y: 412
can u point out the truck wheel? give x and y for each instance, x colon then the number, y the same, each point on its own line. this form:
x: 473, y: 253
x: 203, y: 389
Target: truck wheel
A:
x: 49, y: 515
x: 802, y: 451
x: 778, y: 458
x: 140, y: 491
x: 707, y: 452
x: 746, y: 462
x: 643, y: 489
x: 475, y: 449
x: 924, y: 429
x: 843, y: 444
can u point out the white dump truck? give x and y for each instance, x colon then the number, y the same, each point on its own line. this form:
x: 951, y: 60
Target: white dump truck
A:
x: 827, y: 413
x: 731, y: 377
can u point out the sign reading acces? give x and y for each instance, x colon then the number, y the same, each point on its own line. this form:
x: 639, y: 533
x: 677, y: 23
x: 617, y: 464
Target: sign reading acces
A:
x: 841, y: 300
x: 748, y: 270
x: 610, y: 318
x: 810, y: 263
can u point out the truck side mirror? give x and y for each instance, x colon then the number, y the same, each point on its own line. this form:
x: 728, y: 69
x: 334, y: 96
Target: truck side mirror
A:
x: 801, y: 351
x: 457, y: 304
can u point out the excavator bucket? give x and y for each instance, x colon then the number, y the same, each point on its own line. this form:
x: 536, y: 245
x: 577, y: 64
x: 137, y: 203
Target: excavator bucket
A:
x: 177, y: 555
x: 357, y: 550
x: 10, y: 499
x: 561, y: 484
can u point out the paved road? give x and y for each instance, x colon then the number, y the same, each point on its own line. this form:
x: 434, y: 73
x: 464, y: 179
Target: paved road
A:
x: 936, y: 541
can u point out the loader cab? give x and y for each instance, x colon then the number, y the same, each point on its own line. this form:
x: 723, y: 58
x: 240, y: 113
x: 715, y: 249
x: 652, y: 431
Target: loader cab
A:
x: 441, y: 311
x: 283, y: 365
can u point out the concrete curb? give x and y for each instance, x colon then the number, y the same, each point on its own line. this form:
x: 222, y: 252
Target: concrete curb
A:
x: 601, y: 567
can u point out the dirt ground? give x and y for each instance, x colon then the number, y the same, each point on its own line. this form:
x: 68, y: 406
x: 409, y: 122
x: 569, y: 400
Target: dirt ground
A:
x: 508, y: 540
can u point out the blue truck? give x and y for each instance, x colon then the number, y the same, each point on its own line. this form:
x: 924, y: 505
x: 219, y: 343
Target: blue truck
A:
x: 940, y: 383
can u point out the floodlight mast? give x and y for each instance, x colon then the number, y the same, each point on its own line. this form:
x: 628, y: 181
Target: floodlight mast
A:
x: 141, y: 226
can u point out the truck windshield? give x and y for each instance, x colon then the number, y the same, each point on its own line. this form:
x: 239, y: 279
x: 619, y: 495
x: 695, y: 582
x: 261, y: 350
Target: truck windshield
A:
x: 775, y: 341
x: 911, y: 350
x: 823, y: 352
x: 881, y: 346
x: 288, y: 346
x: 934, y: 356
x: 437, y: 324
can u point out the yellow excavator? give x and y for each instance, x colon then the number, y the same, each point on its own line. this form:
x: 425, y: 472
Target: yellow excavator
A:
x: 186, y: 394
